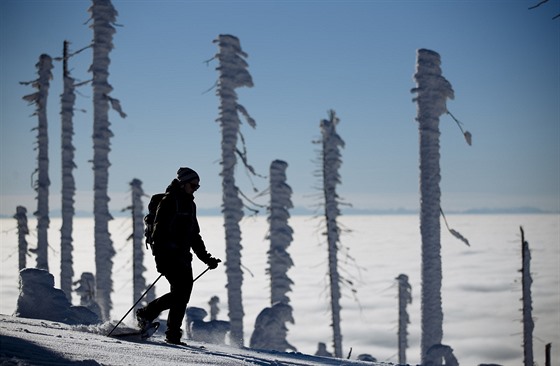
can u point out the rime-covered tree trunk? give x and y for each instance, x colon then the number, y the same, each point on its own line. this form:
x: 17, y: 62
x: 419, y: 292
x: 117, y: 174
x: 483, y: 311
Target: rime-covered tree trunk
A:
x: 280, y: 235
x: 433, y: 90
x: 104, y: 15
x: 44, y: 67
x: 138, y: 269
x: 526, y: 281
x: 330, y: 164
x: 67, y: 100
x: 233, y: 74
x: 23, y: 230
x: 279, y: 260
x: 405, y: 298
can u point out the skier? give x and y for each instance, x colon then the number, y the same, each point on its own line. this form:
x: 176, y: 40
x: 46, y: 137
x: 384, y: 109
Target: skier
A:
x: 176, y: 232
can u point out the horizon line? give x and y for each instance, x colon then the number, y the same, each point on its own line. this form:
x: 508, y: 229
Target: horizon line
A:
x: 304, y: 211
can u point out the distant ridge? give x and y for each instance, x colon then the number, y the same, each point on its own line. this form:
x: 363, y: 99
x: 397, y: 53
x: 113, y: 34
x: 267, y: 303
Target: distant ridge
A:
x: 347, y: 211
x: 513, y: 210
x: 471, y: 211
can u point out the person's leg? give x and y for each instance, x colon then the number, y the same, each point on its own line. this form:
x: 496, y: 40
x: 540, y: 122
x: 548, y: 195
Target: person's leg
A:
x: 181, y: 282
x: 154, y: 308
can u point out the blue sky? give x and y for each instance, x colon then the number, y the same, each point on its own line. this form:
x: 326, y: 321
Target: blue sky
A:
x: 306, y: 57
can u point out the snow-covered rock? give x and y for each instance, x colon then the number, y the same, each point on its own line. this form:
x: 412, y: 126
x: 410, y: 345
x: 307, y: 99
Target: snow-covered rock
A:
x: 38, y: 299
x: 270, y: 329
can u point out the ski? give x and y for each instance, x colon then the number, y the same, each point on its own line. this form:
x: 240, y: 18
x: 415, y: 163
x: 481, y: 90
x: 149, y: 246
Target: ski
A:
x: 185, y: 346
x: 145, y: 333
x: 149, y: 330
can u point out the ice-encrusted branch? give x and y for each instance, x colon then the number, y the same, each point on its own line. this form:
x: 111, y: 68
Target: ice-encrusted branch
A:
x: 39, y: 99
x: 541, y: 3
x: 466, y: 134
x: 453, y: 232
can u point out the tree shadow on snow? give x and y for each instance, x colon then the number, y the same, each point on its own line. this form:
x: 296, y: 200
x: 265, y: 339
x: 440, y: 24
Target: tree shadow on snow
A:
x: 15, y: 350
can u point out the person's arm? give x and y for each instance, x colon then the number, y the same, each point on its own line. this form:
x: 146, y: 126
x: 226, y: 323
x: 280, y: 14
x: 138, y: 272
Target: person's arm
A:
x: 197, y: 244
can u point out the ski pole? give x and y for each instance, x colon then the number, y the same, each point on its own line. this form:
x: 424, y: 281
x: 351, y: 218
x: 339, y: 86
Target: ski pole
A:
x: 144, y: 294
x: 200, y: 275
x: 136, y: 303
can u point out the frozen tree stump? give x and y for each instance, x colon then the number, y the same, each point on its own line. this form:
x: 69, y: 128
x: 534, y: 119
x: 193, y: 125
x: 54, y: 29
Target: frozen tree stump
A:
x: 405, y: 298
x: 23, y: 231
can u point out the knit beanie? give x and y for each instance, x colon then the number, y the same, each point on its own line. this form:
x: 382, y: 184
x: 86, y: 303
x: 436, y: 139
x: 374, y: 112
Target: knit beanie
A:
x: 185, y: 175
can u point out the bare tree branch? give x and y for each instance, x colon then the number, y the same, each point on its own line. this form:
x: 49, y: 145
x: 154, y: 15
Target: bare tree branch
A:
x: 537, y: 5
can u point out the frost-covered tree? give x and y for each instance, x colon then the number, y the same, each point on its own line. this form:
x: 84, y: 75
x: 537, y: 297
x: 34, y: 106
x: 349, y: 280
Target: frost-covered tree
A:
x: 330, y: 163
x: 23, y: 231
x: 67, y: 100
x: 233, y: 74
x: 103, y: 15
x: 138, y: 269
x: 526, y: 281
x: 432, y: 92
x: 39, y: 98
x: 270, y: 329
x: 405, y: 298
x: 280, y: 234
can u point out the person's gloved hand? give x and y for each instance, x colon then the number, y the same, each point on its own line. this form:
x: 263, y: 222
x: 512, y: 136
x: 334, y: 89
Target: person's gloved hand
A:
x: 213, y: 262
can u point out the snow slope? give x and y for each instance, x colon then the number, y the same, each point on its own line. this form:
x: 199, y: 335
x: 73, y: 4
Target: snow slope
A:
x: 40, y: 342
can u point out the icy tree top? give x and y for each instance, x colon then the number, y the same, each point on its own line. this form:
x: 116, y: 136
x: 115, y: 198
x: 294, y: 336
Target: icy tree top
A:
x: 233, y: 67
x: 44, y: 67
x: 331, y: 142
x: 432, y: 88
x: 104, y: 15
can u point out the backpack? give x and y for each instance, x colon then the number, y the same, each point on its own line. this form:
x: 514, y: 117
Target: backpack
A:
x: 150, y: 217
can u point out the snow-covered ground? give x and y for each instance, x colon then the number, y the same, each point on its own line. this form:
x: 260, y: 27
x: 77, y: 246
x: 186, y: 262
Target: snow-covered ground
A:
x: 481, y: 283
x: 38, y: 342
